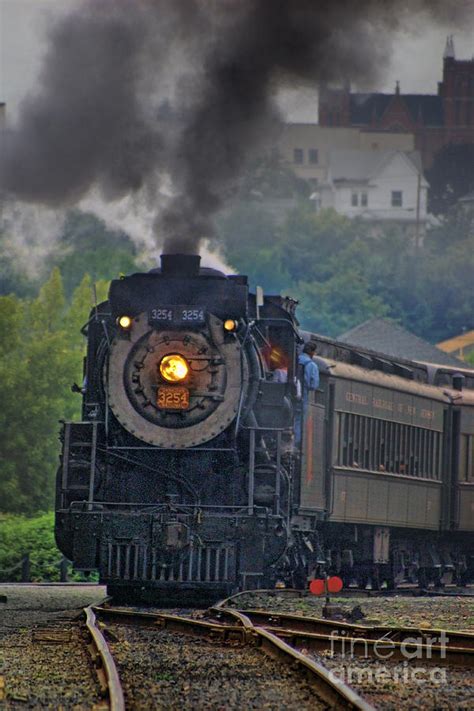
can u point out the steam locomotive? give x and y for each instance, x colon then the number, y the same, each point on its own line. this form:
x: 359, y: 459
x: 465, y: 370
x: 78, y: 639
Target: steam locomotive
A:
x: 183, y: 475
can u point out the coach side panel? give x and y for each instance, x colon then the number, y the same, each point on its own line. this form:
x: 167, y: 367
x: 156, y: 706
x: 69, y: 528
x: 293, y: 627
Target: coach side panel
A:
x: 464, y: 486
x: 374, y: 455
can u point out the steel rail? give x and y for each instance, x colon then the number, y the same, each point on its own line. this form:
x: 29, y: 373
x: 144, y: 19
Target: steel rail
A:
x: 104, y: 663
x: 238, y: 628
x: 349, y: 593
x: 380, y: 642
x: 175, y: 623
x: 332, y: 690
x: 301, y: 623
x: 382, y: 649
x: 271, y: 592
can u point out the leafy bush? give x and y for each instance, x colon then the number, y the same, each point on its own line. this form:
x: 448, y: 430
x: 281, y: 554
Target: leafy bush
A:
x: 20, y: 535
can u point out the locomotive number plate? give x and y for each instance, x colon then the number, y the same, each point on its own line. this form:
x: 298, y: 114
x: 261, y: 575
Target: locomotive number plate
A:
x: 173, y: 398
x: 178, y: 315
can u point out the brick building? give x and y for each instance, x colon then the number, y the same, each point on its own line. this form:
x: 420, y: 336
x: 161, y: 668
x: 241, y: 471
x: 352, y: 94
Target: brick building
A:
x: 435, y: 120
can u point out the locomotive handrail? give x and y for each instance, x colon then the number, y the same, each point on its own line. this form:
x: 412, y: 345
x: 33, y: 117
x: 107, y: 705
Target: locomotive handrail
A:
x: 95, y: 317
x: 268, y: 429
x: 81, y: 504
x: 287, y: 322
x: 168, y: 449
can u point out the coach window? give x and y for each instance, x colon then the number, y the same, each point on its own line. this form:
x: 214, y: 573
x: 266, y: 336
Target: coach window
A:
x: 397, y: 198
x: 466, y: 459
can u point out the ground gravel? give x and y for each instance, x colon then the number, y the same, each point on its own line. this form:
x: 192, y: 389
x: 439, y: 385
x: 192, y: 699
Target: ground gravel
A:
x: 395, y: 685
x: 392, y: 685
x: 455, y: 613
x: 164, y: 670
x: 43, y: 659
x: 44, y: 664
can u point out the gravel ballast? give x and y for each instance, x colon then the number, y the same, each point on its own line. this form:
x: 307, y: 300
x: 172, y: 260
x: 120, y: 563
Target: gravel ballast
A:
x: 44, y: 663
x: 455, y: 612
x: 183, y: 672
x: 392, y: 685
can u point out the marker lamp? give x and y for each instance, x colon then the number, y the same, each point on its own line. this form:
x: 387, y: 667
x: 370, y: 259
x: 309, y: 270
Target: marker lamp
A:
x: 125, y: 322
x: 230, y: 324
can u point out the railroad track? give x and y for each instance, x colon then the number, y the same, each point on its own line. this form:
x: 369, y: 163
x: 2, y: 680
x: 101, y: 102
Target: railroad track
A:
x: 405, y: 591
x: 237, y: 632
x: 104, y: 665
x: 435, y: 646
x: 293, y: 639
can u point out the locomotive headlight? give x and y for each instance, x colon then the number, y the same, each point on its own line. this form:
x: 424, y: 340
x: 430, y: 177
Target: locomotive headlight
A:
x: 230, y: 324
x: 125, y: 322
x: 174, y: 368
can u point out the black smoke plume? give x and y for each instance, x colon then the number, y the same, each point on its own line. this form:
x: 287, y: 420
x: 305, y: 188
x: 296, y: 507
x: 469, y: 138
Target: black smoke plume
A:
x: 134, y: 93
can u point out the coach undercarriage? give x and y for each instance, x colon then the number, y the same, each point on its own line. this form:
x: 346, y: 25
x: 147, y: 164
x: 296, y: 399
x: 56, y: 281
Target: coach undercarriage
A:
x: 375, y: 557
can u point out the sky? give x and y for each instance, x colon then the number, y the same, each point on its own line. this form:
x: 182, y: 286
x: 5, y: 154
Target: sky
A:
x: 416, y: 60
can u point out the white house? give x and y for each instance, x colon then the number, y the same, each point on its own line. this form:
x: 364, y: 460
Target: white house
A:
x: 376, y: 185
x: 306, y: 147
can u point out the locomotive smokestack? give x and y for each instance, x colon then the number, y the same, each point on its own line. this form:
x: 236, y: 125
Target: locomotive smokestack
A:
x: 180, y: 265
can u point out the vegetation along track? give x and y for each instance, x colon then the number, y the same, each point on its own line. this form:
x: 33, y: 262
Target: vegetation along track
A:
x: 211, y: 664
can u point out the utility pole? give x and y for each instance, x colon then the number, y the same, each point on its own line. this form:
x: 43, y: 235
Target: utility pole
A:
x: 417, y: 227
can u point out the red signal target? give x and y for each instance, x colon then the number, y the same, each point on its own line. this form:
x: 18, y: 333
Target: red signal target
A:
x: 335, y: 584
x: 319, y: 586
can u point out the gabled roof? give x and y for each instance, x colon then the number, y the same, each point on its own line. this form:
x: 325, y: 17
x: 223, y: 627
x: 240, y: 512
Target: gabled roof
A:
x: 384, y: 336
x: 354, y: 164
x: 366, y: 108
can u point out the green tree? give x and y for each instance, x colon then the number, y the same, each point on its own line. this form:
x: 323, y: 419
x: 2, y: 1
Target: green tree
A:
x: 311, y: 240
x: 87, y: 246
x: 13, y: 279
x: 345, y: 272
x: 334, y: 306
x: 40, y: 357
x: 252, y: 245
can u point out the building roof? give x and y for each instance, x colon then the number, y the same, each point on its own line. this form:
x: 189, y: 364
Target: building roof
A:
x: 354, y: 164
x: 467, y: 198
x: 456, y: 343
x: 367, y: 108
x: 387, y: 337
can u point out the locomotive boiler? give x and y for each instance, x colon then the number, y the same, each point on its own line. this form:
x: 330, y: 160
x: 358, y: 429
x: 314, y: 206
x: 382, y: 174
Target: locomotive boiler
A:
x: 183, y: 476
